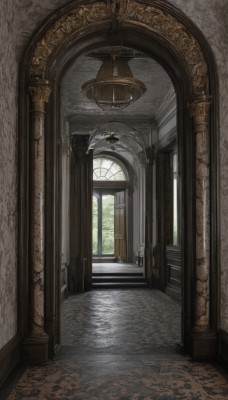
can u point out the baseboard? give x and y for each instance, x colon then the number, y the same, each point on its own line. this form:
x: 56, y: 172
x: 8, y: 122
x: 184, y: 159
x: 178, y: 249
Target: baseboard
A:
x: 223, y: 349
x: 155, y: 283
x: 9, y: 358
x: 174, y: 293
x: 34, y: 349
x: 203, y: 345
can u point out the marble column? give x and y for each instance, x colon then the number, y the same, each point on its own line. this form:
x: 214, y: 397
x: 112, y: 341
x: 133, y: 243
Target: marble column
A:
x: 36, y: 343
x: 199, y: 109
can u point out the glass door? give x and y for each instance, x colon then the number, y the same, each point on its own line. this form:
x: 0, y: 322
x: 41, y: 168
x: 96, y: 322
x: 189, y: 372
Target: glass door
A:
x: 103, y: 224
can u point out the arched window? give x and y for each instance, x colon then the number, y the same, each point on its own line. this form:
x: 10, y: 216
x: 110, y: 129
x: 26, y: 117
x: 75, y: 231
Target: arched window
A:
x: 106, y: 169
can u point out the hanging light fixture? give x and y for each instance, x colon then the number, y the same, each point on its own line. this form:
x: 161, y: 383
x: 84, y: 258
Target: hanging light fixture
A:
x: 114, y: 87
x: 112, y: 139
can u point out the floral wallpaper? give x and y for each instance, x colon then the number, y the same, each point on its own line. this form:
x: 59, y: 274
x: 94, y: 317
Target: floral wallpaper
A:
x: 18, y: 21
x: 8, y: 175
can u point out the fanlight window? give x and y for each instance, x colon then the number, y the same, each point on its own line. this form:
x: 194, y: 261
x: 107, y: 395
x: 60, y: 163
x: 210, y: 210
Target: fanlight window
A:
x: 106, y: 169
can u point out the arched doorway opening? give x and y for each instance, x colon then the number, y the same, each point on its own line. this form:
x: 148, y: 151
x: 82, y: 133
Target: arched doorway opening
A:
x: 110, y: 180
x: 167, y: 36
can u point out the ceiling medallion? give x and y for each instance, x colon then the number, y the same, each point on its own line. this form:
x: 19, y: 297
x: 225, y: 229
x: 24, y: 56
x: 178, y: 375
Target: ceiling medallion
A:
x: 114, y: 88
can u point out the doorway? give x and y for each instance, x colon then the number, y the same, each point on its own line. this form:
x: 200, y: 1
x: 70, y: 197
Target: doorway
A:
x: 179, y: 51
x: 169, y: 217
x: 103, y: 225
x: 109, y: 226
x: 110, y: 182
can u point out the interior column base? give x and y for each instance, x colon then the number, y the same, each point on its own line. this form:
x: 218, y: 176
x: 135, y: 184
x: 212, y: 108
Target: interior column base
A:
x: 203, y: 345
x: 34, y: 349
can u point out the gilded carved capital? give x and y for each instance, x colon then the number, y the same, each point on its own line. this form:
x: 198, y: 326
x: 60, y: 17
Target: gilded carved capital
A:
x: 199, y: 109
x: 199, y: 106
x: 40, y: 92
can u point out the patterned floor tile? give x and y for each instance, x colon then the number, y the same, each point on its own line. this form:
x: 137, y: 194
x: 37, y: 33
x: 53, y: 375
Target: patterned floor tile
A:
x: 119, y: 345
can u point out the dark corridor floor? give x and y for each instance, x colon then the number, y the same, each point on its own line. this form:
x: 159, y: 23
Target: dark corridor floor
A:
x: 121, y: 322
x: 120, y: 344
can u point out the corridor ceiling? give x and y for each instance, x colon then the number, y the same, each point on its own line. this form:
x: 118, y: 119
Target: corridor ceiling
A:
x: 133, y: 122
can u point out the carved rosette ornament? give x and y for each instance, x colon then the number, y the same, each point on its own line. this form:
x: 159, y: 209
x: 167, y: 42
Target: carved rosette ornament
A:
x: 121, y: 13
x: 199, y: 109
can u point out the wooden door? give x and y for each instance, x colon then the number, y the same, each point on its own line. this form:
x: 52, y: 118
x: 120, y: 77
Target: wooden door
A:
x: 169, y: 223
x: 120, y: 226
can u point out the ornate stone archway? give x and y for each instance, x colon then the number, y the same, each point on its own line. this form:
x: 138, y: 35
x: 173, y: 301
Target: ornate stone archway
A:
x: 69, y: 26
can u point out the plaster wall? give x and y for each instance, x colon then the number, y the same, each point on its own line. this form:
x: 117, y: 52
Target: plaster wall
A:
x: 18, y: 21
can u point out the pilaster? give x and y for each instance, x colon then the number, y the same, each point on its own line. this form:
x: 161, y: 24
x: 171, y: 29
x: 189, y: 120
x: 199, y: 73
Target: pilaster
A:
x: 35, y: 345
x: 203, y: 340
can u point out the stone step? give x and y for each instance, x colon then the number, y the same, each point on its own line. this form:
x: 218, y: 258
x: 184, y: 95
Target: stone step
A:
x: 140, y: 274
x: 117, y: 278
x: 119, y: 285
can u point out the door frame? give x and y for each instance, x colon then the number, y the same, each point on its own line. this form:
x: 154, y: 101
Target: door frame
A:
x: 51, y: 51
x: 99, y: 194
x: 162, y: 198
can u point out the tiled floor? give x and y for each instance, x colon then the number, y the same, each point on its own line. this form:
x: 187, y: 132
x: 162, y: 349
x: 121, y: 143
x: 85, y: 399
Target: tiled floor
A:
x: 121, y: 322
x: 119, y: 345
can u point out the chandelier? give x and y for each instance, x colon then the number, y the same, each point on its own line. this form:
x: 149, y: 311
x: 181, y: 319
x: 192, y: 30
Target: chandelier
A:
x: 114, y: 87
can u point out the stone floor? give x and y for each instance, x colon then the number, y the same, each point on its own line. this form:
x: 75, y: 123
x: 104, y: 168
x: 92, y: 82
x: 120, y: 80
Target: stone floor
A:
x: 119, y: 345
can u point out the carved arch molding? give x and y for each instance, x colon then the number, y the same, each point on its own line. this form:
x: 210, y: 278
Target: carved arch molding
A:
x: 67, y: 26
x: 151, y: 18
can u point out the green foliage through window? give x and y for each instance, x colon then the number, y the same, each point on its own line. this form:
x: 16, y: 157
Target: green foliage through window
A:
x: 107, y: 224
x: 103, y: 224
x: 95, y: 225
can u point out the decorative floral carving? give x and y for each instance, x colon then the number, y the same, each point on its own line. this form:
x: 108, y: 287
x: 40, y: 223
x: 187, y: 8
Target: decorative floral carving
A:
x: 131, y: 12
x: 180, y: 39
x: 63, y: 28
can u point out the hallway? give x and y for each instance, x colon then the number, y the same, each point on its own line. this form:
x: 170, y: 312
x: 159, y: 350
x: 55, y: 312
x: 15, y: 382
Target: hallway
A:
x: 119, y: 344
